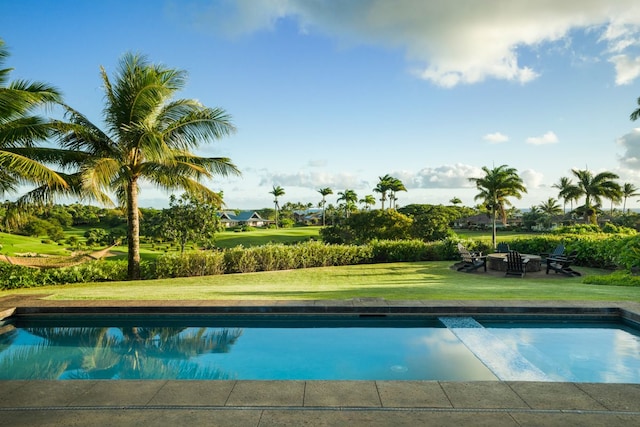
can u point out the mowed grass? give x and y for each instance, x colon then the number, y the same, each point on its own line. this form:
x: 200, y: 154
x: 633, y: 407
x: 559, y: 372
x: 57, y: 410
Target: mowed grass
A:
x: 13, y: 244
x: 259, y: 237
x: 394, y: 281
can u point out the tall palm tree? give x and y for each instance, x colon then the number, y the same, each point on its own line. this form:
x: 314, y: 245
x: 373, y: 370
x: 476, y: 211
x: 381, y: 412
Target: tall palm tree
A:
x: 21, y: 160
x: 368, y: 201
x: 628, y: 190
x: 395, y: 186
x: 495, y: 187
x: 350, y: 198
x: 148, y: 137
x: 277, y: 191
x: 550, y: 209
x: 324, y: 192
x: 593, y: 188
x: 384, y: 185
x: 564, y: 187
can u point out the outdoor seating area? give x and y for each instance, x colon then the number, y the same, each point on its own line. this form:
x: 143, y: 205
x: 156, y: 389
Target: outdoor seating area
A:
x: 562, y: 264
x: 471, y: 261
x: 516, y: 264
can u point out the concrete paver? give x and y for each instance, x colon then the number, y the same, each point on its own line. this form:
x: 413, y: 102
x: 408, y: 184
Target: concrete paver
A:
x: 412, y: 394
x: 482, y: 394
x: 267, y: 393
x: 193, y: 393
x: 545, y: 395
x: 341, y: 394
x: 617, y: 397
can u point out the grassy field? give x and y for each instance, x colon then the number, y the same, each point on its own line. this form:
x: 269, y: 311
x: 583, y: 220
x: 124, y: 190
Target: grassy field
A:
x: 394, y: 281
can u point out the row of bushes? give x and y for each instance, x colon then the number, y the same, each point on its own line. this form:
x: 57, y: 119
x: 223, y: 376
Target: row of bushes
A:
x: 601, y: 251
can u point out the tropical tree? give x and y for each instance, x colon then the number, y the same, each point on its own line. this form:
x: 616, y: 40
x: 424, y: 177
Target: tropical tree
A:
x: 350, y: 198
x: 384, y: 185
x: 455, y: 201
x: 324, y: 192
x: 21, y: 161
x: 368, y: 201
x: 148, y: 137
x: 496, y: 186
x: 628, y: 190
x: 565, y: 191
x: 593, y: 188
x: 190, y: 219
x: 395, y: 186
x: 277, y: 191
x: 549, y: 209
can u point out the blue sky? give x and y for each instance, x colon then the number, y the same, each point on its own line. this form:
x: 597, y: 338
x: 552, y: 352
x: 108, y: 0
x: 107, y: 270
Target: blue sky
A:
x: 337, y: 93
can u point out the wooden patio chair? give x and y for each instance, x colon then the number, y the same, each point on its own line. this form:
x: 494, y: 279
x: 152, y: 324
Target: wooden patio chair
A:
x: 471, y: 261
x: 562, y: 264
x: 557, y: 252
x: 502, y: 248
x: 516, y: 264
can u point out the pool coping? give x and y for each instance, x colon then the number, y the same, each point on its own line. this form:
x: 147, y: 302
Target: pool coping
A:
x: 262, y: 403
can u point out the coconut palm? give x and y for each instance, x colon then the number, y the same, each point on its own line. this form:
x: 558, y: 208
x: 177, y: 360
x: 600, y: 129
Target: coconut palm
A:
x: 564, y: 187
x: 496, y: 186
x: 277, y: 191
x: 148, y: 137
x: 395, y: 186
x: 628, y: 190
x: 455, y: 201
x: 21, y: 161
x: 324, y: 192
x: 384, y: 185
x: 350, y: 198
x: 549, y: 209
x: 593, y: 188
x: 368, y: 201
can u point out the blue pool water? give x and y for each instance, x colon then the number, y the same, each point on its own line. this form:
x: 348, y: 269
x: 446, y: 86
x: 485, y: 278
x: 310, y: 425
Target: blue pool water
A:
x: 454, y: 349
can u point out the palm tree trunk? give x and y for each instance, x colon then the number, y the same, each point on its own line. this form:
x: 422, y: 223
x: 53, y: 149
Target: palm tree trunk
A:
x: 494, y: 236
x: 133, y: 232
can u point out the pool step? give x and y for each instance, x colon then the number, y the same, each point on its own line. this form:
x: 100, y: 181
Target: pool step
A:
x: 506, y: 363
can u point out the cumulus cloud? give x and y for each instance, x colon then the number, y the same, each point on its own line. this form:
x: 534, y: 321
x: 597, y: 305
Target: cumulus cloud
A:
x: 447, y: 176
x: 547, y: 138
x: 453, y: 42
x: 313, y: 180
x: 531, y: 178
x: 495, y: 138
x: 631, y: 144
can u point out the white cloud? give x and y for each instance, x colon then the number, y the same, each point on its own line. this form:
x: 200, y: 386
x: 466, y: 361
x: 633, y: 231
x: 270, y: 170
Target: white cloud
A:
x: 547, y: 138
x: 627, y: 69
x: 446, y: 176
x: 495, y: 138
x: 631, y: 144
x: 531, y: 178
x: 313, y: 180
x: 453, y: 42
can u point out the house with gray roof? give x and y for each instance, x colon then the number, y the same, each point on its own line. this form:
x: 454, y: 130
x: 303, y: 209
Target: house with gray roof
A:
x: 235, y: 219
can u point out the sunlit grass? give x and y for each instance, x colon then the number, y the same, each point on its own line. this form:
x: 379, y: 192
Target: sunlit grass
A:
x: 395, y: 281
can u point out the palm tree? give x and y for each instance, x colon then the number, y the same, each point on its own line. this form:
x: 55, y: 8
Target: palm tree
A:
x: 455, y: 201
x: 148, y: 137
x: 564, y: 187
x: 324, y: 192
x: 549, y: 209
x: 382, y: 187
x: 350, y: 198
x: 20, y: 160
x: 594, y: 188
x: 395, y: 186
x: 277, y: 191
x: 495, y: 187
x: 368, y: 201
x: 628, y: 190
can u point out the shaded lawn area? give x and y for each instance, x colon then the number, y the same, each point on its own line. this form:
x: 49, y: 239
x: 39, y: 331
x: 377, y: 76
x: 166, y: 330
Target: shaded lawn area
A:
x: 394, y: 281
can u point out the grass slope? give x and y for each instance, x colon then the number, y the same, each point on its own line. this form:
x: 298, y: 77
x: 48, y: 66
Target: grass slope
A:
x: 394, y: 281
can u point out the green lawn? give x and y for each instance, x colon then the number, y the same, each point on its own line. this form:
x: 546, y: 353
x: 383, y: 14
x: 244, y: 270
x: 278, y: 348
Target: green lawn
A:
x: 258, y: 237
x: 396, y: 281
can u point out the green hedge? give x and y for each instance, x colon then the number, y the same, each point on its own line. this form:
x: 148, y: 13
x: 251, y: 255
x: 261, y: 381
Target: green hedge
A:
x: 598, y: 250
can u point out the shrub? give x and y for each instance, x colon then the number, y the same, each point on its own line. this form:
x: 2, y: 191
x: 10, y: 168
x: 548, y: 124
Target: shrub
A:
x: 618, y: 278
x: 201, y: 263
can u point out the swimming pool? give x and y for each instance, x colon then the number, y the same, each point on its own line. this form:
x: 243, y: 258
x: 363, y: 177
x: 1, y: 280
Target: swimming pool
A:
x: 331, y: 347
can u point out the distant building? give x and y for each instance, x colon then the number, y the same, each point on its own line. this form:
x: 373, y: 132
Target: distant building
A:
x: 311, y: 216
x: 249, y: 218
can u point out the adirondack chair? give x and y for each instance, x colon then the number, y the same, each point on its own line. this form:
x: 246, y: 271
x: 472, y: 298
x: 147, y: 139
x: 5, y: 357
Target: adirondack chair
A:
x: 471, y: 261
x: 562, y: 264
x: 557, y: 252
x: 516, y: 264
x: 502, y: 248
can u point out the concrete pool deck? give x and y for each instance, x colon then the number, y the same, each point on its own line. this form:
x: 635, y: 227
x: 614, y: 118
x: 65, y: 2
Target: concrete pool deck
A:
x: 318, y: 403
